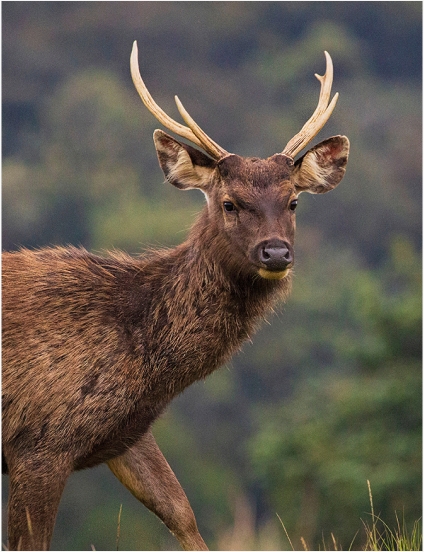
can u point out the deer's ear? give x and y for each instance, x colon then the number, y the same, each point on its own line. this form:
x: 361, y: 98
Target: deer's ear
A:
x: 184, y: 167
x: 322, y: 167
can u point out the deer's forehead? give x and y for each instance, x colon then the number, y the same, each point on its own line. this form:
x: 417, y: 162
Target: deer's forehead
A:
x: 256, y: 173
x: 255, y: 178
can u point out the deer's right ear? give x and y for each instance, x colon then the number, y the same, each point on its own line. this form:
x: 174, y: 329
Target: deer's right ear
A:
x: 322, y: 167
x: 184, y: 167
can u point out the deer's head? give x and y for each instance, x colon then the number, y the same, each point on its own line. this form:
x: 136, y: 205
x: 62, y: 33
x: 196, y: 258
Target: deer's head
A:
x: 251, y: 201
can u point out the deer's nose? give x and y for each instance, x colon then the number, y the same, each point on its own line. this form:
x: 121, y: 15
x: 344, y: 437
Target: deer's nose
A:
x: 275, y: 254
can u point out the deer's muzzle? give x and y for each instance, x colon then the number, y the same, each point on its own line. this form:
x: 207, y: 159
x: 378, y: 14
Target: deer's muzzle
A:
x: 273, y: 257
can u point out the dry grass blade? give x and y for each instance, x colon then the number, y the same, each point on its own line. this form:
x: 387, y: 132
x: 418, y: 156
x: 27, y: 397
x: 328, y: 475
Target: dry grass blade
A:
x: 305, y: 546
x: 285, y: 531
x: 118, y: 530
x: 374, y: 528
x: 29, y: 524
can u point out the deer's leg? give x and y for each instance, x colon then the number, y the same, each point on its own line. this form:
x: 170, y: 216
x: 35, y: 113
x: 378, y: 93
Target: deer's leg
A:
x: 34, y: 494
x: 145, y: 472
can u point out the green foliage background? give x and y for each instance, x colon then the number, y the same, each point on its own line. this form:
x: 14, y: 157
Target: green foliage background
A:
x: 329, y: 393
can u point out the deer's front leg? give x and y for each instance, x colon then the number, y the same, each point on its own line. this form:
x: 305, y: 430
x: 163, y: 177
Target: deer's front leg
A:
x: 36, y: 485
x: 145, y: 472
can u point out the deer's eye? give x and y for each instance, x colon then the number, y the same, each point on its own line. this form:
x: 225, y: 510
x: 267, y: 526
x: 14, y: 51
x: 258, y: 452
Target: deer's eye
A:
x: 229, y: 206
x: 293, y: 205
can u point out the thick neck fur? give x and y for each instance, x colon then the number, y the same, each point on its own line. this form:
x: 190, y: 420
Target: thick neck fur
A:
x: 194, y: 306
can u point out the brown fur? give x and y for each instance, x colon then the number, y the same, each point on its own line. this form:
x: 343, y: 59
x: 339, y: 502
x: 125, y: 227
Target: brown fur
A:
x: 94, y: 348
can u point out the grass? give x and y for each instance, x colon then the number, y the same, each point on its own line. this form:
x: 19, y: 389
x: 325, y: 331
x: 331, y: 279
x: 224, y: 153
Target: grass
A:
x: 379, y: 536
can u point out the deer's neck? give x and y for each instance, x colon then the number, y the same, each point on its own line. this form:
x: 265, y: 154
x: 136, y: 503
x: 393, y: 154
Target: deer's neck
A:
x: 197, y: 309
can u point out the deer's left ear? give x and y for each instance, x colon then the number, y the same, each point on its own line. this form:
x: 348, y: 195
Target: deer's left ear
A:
x: 322, y: 167
x: 184, y: 167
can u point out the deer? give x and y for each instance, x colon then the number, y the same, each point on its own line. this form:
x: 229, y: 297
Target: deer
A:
x: 95, y: 347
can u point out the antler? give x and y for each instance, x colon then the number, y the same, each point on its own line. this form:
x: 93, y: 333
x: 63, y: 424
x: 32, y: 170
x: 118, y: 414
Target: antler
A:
x: 320, y: 116
x: 191, y: 132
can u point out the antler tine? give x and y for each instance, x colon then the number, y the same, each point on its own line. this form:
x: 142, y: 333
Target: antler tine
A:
x: 207, y: 143
x: 320, y: 116
x: 193, y: 132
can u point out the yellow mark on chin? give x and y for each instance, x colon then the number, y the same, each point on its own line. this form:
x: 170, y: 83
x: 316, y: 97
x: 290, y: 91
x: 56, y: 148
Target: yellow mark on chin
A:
x: 272, y: 274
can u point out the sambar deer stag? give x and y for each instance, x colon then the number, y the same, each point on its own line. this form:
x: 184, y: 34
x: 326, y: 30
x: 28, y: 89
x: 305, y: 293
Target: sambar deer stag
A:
x: 95, y: 347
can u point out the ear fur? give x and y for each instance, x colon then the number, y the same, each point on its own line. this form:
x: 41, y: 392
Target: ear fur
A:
x: 322, y: 167
x: 184, y: 167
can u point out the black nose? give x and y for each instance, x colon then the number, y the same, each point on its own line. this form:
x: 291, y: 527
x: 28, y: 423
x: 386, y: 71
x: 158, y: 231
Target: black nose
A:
x: 275, y: 254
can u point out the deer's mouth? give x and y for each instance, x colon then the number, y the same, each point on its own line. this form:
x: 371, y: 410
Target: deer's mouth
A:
x: 273, y: 274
